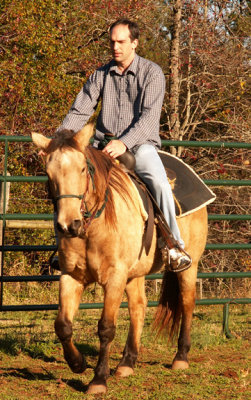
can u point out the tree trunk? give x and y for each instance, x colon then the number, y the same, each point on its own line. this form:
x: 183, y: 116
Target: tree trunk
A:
x: 174, y: 123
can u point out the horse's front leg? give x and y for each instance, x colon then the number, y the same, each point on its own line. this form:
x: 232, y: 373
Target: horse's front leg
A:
x: 113, y: 292
x: 135, y: 290
x: 70, y: 291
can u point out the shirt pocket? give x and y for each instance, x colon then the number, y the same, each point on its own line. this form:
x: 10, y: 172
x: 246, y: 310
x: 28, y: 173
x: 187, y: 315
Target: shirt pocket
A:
x: 131, y: 89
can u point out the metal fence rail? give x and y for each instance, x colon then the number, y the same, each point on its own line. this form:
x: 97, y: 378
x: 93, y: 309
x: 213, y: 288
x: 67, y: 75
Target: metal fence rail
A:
x: 48, y: 217
x: 95, y: 306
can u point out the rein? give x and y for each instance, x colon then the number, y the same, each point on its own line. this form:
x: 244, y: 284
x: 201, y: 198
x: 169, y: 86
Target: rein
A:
x: 95, y: 214
x: 89, y: 216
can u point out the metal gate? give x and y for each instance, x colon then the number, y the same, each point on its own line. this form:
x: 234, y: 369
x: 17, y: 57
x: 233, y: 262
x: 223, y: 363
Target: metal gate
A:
x: 5, y: 180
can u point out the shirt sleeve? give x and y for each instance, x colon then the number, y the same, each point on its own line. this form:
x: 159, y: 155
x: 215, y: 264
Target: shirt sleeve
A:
x: 148, y: 121
x: 84, y: 104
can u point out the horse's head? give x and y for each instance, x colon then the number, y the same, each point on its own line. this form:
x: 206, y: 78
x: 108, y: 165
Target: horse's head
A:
x: 67, y: 170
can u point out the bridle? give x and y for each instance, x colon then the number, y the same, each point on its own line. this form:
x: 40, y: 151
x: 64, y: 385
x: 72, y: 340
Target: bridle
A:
x: 68, y: 196
x: 87, y: 215
x: 90, y: 174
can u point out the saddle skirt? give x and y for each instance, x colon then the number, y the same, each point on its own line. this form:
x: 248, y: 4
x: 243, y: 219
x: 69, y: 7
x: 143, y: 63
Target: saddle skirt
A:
x: 189, y: 190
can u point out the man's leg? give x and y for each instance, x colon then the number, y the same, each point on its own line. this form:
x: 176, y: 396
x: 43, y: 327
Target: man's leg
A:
x: 151, y: 170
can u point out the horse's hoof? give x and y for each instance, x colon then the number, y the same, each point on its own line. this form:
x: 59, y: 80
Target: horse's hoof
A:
x: 178, y: 364
x: 123, y: 372
x: 78, y: 368
x: 78, y: 365
x: 96, y: 389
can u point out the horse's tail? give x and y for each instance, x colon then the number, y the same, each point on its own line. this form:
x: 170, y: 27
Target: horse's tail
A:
x: 167, y: 317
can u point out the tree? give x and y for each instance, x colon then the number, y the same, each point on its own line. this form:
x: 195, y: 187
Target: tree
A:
x: 48, y: 49
x: 174, y: 78
x: 208, y: 80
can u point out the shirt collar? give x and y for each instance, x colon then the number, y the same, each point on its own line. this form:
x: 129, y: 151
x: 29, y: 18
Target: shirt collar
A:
x: 131, y: 69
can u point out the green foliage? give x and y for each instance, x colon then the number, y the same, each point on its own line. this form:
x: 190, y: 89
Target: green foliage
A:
x: 32, y: 55
x: 48, y: 49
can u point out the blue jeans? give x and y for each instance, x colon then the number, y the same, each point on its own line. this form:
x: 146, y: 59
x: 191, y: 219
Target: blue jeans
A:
x: 151, y: 170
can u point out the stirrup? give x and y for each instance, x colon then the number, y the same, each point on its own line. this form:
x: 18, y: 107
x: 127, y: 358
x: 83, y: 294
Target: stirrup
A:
x: 181, y: 263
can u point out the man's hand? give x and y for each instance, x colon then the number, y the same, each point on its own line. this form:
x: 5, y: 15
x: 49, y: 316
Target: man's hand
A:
x: 42, y: 153
x: 115, y: 148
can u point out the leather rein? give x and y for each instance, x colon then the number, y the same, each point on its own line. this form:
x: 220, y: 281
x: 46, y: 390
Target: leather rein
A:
x: 88, y: 216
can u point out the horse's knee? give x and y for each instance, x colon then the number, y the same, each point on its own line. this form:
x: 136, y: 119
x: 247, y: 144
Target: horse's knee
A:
x: 63, y: 329
x: 106, y: 331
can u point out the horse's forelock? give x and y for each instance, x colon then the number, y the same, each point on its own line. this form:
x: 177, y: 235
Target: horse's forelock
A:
x: 64, y: 139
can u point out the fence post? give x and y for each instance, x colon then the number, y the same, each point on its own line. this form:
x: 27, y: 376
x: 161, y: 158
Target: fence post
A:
x: 4, y: 202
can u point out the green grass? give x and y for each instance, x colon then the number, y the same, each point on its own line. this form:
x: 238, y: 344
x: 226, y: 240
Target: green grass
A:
x: 32, y: 364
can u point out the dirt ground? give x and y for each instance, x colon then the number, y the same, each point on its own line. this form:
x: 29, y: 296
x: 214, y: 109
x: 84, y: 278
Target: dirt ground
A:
x: 32, y: 364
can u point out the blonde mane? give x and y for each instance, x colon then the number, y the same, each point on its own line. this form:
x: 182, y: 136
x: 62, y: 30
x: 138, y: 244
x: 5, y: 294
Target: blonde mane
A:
x: 108, y: 175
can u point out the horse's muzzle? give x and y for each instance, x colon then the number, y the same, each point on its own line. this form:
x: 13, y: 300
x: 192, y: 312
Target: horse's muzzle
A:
x: 72, y: 230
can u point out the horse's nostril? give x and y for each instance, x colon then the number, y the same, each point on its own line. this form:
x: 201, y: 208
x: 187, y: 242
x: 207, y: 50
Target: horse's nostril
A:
x: 60, y: 227
x: 73, y: 228
x: 76, y: 223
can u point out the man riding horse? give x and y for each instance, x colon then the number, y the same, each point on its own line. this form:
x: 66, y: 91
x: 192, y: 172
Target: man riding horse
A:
x: 131, y: 90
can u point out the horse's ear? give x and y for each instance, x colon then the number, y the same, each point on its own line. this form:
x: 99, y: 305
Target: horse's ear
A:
x: 41, y: 141
x: 83, y: 137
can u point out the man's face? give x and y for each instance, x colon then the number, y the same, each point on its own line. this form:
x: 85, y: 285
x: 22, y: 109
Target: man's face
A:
x: 123, y: 49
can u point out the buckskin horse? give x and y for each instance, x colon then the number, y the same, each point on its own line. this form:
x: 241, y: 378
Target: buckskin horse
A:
x: 101, y: 221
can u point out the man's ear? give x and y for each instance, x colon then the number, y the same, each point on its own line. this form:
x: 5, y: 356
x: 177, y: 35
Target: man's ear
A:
x: 41, y: 141
x: 135, y: 43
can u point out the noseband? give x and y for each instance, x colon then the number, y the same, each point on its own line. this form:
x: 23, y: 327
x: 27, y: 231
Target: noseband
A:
x: 67, y: 196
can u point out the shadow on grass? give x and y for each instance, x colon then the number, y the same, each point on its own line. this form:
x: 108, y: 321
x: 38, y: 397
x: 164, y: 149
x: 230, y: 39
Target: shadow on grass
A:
x: 76, y: 385
x: 39, y: 354
x: 87, y: 349
x: 152, y: 363
x: 17, y: 326
x: 25, y: 373
x: 13, y: 346
x: 28, y: 375
x: 10, y: 346
x: 167, y: 366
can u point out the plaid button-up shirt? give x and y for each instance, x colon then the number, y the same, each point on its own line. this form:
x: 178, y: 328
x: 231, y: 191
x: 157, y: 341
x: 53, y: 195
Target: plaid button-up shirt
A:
x: 131, y: 103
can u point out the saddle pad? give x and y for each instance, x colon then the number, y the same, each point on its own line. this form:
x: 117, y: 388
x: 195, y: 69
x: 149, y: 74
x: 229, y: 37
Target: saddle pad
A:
x: 190, y: 191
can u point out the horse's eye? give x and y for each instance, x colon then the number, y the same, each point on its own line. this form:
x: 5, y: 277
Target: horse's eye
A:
x: 83, y: 170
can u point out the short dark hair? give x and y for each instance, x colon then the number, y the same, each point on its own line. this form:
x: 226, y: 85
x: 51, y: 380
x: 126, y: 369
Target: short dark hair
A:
x: 132, y: 26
